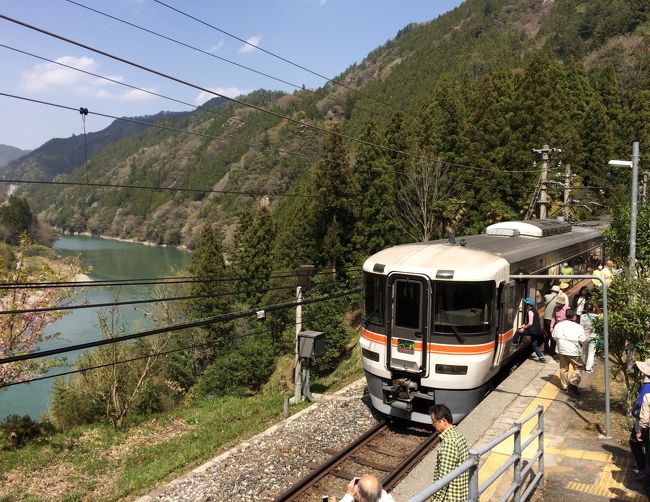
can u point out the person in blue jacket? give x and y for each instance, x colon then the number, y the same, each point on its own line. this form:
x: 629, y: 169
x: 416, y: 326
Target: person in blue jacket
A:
x: 636, y: 445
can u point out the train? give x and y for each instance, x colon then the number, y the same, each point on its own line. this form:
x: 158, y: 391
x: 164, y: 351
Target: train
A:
x: 439, y: 316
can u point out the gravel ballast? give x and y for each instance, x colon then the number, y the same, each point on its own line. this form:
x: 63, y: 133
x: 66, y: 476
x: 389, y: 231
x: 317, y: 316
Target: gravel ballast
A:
x: 269, y: 463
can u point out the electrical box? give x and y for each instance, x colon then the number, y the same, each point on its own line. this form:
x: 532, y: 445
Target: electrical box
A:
x: 311, y: 344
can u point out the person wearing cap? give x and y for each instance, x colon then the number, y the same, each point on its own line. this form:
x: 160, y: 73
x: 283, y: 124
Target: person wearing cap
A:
x: 532, y: 328
x: 559, y: 312
x: 570, y: 338
x: 566, y: 269
x: 549, y: 301
x: 636, y: 440
x: 563, y: 288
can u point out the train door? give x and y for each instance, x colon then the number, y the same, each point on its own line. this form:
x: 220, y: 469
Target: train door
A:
x: 507, y: 314
x: 408, y: 329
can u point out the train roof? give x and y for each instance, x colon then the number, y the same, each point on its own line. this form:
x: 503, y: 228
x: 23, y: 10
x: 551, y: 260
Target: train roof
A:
x: 481, y: 255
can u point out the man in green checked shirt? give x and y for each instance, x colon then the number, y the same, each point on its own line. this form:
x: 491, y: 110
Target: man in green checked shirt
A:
x: 452, y: 451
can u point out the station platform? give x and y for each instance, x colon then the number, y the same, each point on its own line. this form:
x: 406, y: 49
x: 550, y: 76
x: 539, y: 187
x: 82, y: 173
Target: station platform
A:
x: 579, y: 463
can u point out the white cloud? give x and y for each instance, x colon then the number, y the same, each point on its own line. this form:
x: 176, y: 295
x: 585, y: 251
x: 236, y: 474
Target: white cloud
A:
x: 255, y: 40
x: 231, y: 92
x: 54, y: 78
x: 214, y: 48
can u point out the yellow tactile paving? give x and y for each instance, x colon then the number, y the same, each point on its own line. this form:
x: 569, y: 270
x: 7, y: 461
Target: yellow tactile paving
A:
x: 611, y: 476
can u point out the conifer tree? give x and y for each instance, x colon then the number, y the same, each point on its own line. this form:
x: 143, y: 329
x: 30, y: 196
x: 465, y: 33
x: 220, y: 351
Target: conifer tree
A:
x: 251, y: 254
x: 333, y: 182
x: 375, y: 227
x: 208, y: 265
x: 598, y: 145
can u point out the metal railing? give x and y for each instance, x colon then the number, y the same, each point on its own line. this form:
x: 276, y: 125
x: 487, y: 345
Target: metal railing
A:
x: 471, y: 465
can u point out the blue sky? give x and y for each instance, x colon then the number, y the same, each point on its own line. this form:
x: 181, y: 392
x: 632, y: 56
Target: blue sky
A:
x: 325, y: 36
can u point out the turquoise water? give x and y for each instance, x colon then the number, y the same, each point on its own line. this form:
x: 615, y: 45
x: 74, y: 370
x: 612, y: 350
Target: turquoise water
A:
x: 107, y: 260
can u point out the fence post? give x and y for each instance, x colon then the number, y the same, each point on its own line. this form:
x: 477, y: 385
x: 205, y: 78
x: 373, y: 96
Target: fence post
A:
x: 517, y: 465
x: 473, y: 494
x: 540, y: 443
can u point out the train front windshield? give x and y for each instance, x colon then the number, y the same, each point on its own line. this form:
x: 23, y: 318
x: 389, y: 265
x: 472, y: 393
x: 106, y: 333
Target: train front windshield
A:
x: 462, y: 307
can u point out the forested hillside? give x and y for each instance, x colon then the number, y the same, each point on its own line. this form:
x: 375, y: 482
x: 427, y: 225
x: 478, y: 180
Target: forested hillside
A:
x: 455, y: 105
x: 9, y: 153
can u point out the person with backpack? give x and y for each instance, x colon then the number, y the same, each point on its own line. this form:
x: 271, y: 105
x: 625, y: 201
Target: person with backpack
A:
x: 532, y: 328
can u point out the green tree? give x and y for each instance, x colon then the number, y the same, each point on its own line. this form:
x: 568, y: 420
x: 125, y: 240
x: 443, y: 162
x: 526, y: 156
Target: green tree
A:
x: 251, y: 255
x: 16, y: 219
x: 215, y: 292
x: 375, y: 228
x: 628, y: 304
x: 617, y: 237
x: 334, y: 206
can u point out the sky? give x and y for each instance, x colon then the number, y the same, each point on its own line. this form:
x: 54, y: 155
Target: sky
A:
x: 325, y: 36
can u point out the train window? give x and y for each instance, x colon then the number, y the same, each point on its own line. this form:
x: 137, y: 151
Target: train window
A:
x: 407, y: 304
x: 375, y: 285
x: 463, y: 307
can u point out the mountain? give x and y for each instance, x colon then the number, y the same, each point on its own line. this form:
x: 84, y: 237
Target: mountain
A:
x: 9, y: 153
x: 478, y: 87
x: 62, y: 155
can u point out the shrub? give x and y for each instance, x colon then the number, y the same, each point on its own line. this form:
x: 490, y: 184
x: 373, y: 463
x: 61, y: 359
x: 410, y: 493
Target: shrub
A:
x: 18, y: 430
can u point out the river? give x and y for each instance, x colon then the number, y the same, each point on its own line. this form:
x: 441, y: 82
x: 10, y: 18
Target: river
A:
x: 107, y: 260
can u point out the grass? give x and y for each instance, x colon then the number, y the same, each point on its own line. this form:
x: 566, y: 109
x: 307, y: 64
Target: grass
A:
x: 108, y: 464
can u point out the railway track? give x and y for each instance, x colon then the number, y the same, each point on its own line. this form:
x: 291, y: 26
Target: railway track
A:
x: 387, y: 450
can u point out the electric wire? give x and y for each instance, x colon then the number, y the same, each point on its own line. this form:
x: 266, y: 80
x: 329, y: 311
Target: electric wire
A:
x: 306, y: 320
x: 234, y: 100
x: 129, y: 360
x: 329, y: 80
x: 168, y: 280
x: 139, y: 302
x: 208, y: 53
x: 174, y: 327
x: 164, y: 127
x: 130, y: 86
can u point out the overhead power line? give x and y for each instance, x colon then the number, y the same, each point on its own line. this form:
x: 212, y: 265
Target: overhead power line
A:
x: 174, y: 327
x: 328, y: 79
x: 234, y: 100
x: 208, y: 53
x: 165, y: 280
x: 139, y: 302
x: 164, y: 127
x: 130, y: 86
x: 129, y: 360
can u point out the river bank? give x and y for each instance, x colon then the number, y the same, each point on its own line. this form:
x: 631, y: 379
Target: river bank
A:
x: 181, y: 247
x: 101, y: 260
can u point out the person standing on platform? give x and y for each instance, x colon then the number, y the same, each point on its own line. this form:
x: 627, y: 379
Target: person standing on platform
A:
x: 549, y: 300
x: 636, y: 439
x: 532, y: 328
x: 607, y: 273
x: 570, y: 338
x: 598, y: 273
x: 560, y: 310
x: 452, y: 452
x: 580, y: 301
x: 589, y: 350
x: 563, y: 288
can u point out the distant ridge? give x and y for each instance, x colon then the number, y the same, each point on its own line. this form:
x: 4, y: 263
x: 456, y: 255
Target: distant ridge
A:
x: 9, y: 153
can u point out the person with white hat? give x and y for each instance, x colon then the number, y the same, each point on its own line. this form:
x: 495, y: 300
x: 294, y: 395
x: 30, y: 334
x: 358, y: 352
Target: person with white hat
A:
x: 559, y: 312
x: 563, y: 288
x: 570, y: 338
x: 636, y: 440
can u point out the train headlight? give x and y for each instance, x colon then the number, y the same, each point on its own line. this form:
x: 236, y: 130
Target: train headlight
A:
x: 450, y: 369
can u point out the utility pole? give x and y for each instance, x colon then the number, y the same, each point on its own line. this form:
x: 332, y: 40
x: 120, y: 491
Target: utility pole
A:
x: 567, y: 191
x: 635, y: 196
x: 543, y: 195
x: 304, y: 278
x: 543, y: 203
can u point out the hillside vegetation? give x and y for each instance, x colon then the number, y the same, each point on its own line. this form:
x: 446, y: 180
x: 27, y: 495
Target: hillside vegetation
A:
x: 480, y: 87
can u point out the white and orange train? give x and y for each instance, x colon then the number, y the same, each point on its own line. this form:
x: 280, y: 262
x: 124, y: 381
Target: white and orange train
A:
x: 439, y: 316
